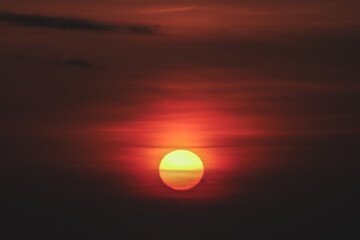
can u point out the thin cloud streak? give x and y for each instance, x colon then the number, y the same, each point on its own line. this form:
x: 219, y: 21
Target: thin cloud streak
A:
x: 168, y: 10
x: 73, y: 62
x: 64, y: 23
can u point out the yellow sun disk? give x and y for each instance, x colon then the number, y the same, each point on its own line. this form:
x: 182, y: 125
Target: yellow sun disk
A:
x: 181, y: 170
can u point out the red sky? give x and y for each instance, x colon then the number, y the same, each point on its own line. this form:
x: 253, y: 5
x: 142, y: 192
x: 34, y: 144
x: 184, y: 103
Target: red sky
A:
x: 94, y: 93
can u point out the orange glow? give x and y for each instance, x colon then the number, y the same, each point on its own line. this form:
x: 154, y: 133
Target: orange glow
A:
x: 201, y: 127
x: 181, y: 170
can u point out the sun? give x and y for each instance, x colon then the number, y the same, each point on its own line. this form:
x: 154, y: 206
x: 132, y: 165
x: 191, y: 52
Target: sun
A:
x: 181, y: 170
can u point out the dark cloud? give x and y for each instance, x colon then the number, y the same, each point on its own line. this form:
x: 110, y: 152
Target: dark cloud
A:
x: 73, y: 62
x: 72, y: 24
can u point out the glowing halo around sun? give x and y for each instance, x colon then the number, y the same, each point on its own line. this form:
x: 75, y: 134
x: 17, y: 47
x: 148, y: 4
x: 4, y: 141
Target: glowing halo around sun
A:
x: 181, y: 170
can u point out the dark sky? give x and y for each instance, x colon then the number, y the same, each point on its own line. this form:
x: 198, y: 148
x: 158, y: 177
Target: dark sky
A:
x: 94, y: 93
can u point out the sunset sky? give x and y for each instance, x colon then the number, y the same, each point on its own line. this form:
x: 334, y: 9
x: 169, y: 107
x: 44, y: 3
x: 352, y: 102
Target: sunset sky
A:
x: 95, y: 93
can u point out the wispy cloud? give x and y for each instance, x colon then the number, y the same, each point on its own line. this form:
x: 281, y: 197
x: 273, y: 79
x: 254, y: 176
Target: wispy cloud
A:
x: 167, y: 10
x: 73, y: 62
x: 72, y: 24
